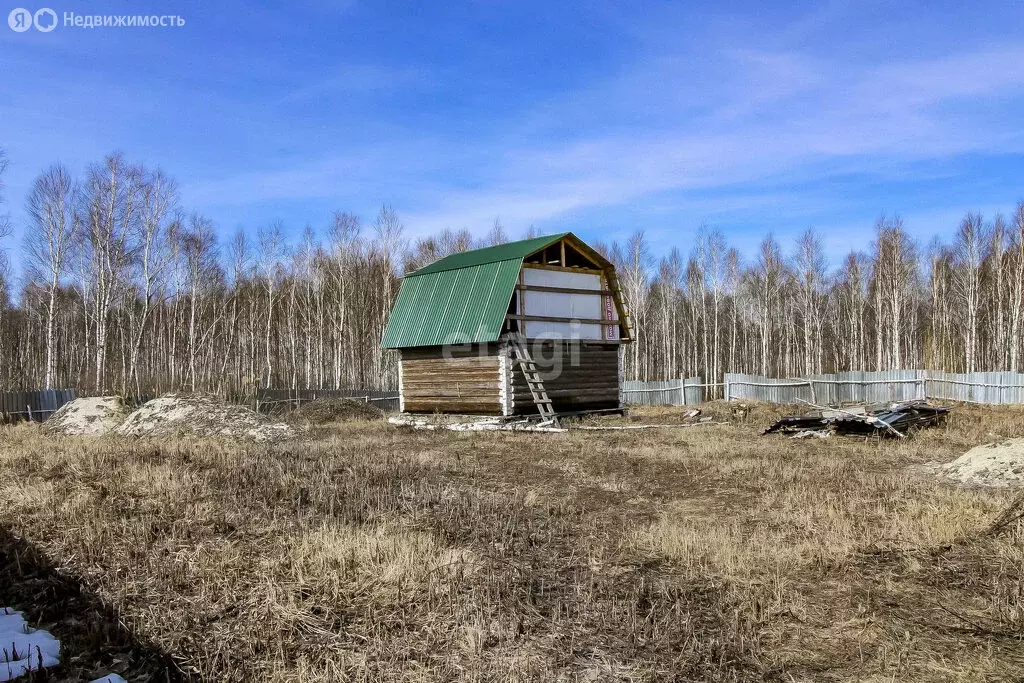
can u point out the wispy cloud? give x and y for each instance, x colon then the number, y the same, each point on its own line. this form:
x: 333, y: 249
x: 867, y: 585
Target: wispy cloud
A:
x: 784, y: 118
x: 352, y: 79
x: 802, y: 122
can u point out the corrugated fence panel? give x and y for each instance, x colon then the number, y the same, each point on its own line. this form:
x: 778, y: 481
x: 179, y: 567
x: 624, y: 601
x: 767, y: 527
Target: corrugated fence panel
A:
x: 20, y: 405
x: 844, y: 387
x: 675, y: 392
x: 773, y: 390
x: 693, y: 392
x: 879, y: 387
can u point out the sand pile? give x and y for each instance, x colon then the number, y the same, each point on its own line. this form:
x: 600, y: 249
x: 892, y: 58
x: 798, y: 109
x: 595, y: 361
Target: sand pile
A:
x: 87, y: 416
x: 996, y: 464
x: 324, y: 410
x: 174, y: 415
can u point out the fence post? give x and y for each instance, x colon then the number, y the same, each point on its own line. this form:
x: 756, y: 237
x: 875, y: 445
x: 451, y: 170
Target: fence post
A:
x: 726, y: 387
x: 29, y: 412
x: 682, y: 391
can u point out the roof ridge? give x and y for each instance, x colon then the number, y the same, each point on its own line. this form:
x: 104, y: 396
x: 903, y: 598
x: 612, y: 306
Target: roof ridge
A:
x: 492, y: 254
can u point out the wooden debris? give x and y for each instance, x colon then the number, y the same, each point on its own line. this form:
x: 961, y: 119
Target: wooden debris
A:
x: 896, y: 419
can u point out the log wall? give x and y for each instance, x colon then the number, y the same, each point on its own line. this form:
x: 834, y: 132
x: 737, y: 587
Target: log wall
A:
x: 577, y: 376
x: 483, y: 379
x: 452, y: 380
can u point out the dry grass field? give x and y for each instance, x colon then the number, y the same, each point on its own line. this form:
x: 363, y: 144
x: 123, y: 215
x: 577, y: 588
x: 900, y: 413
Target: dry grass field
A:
x: 367, y: 552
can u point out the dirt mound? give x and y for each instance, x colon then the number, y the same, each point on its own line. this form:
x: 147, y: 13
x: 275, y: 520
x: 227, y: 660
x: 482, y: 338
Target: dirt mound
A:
x: 87, y: 416
x: 998, y: 464
x: 173, y: 415
x: 324, y: 410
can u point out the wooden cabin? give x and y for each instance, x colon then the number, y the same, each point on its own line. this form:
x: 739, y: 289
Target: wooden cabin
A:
x: 515, y: 329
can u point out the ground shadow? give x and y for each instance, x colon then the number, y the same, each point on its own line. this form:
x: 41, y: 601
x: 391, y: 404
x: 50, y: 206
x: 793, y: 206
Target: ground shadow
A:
x: 93, y: 639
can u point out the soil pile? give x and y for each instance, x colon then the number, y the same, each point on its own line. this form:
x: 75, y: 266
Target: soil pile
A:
x: 174, y: 415
x: 87, y: 416
x: 998, y: 464
x: 325, y: 410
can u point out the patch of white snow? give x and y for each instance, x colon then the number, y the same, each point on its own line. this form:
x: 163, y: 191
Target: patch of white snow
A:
x: 24, y: 648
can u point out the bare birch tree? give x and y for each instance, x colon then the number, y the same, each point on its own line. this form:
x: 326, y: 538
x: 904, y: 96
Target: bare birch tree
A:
x: 810, y: 267
x: 968, y: 251
x: 51, y: 210
x: 271, y: 252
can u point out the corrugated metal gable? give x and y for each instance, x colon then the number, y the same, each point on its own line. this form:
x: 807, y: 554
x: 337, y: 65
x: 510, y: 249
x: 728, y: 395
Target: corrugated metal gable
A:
x: 456, y: 306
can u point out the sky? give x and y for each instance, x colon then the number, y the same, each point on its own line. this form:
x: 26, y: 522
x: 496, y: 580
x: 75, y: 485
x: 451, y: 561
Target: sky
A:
x: 598, y: 117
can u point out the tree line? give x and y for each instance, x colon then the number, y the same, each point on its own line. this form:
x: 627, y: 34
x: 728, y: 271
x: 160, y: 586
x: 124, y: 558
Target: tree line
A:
x: 123, y: 289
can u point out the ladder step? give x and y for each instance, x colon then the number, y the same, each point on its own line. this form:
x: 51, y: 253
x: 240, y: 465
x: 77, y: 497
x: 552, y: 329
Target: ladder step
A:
x: 533, y: 380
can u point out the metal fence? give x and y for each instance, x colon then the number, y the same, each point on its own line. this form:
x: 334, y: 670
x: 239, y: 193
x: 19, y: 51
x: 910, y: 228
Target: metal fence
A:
x: 889, y: 385
x: 675, y: 392
x: 34, y: 405
x: 385, y: 400
x: 977, y: 387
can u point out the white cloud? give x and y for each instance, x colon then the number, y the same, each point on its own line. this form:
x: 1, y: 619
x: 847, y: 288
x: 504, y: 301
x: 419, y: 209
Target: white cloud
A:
x: 776, y: 118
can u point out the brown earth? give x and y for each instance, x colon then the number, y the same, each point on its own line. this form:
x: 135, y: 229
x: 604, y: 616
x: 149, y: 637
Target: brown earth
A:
x: 378, y: 553
x: 326, y: 410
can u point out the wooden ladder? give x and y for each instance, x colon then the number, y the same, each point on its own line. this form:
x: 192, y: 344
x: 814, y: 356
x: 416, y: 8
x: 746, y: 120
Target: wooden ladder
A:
x: 533, y: 380
x: 614, y: 286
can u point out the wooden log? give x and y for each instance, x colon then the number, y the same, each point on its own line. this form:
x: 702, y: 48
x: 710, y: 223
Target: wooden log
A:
x: 578, y: 393
x: 582, y: 368
x: 608, y: 354
x: 547, y: 355
x: 446, y: 375
x: 442, y: 379
x: 557, y: 319
x: 451, y: 365
x: 452, y: 371
x: 489, y: 383
x: 561, y: 386
x: 449, y: 403
x: 562, y: 290
x: 571, y: 379
x: 564, y: 269
x: 420, y: 406
x: 567, y: 391
x: 486, y: 361
x: 443, y: 390
x: 552, y: 341
x: 451, y: 351
x: 569, y: 376
x: 438, y: 392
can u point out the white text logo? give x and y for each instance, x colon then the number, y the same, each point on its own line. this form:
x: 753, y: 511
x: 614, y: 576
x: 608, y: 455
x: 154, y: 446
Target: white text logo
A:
x: 45, y: 20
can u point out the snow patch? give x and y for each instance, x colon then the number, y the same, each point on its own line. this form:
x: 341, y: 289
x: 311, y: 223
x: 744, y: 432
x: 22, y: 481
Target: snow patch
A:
x: 24, y: 649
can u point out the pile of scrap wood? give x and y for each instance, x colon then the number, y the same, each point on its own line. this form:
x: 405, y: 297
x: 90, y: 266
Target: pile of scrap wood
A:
x: 888, y: 419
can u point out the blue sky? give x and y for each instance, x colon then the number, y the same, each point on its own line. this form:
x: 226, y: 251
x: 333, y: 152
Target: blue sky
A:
x: 597, y: 117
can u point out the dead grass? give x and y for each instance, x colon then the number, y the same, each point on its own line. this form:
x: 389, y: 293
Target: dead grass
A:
x: 368, y: 552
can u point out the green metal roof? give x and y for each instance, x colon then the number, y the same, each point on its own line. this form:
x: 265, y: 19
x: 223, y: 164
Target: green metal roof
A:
x: 460, y: 299
x: 501, y: 252
x: 452, y: 306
